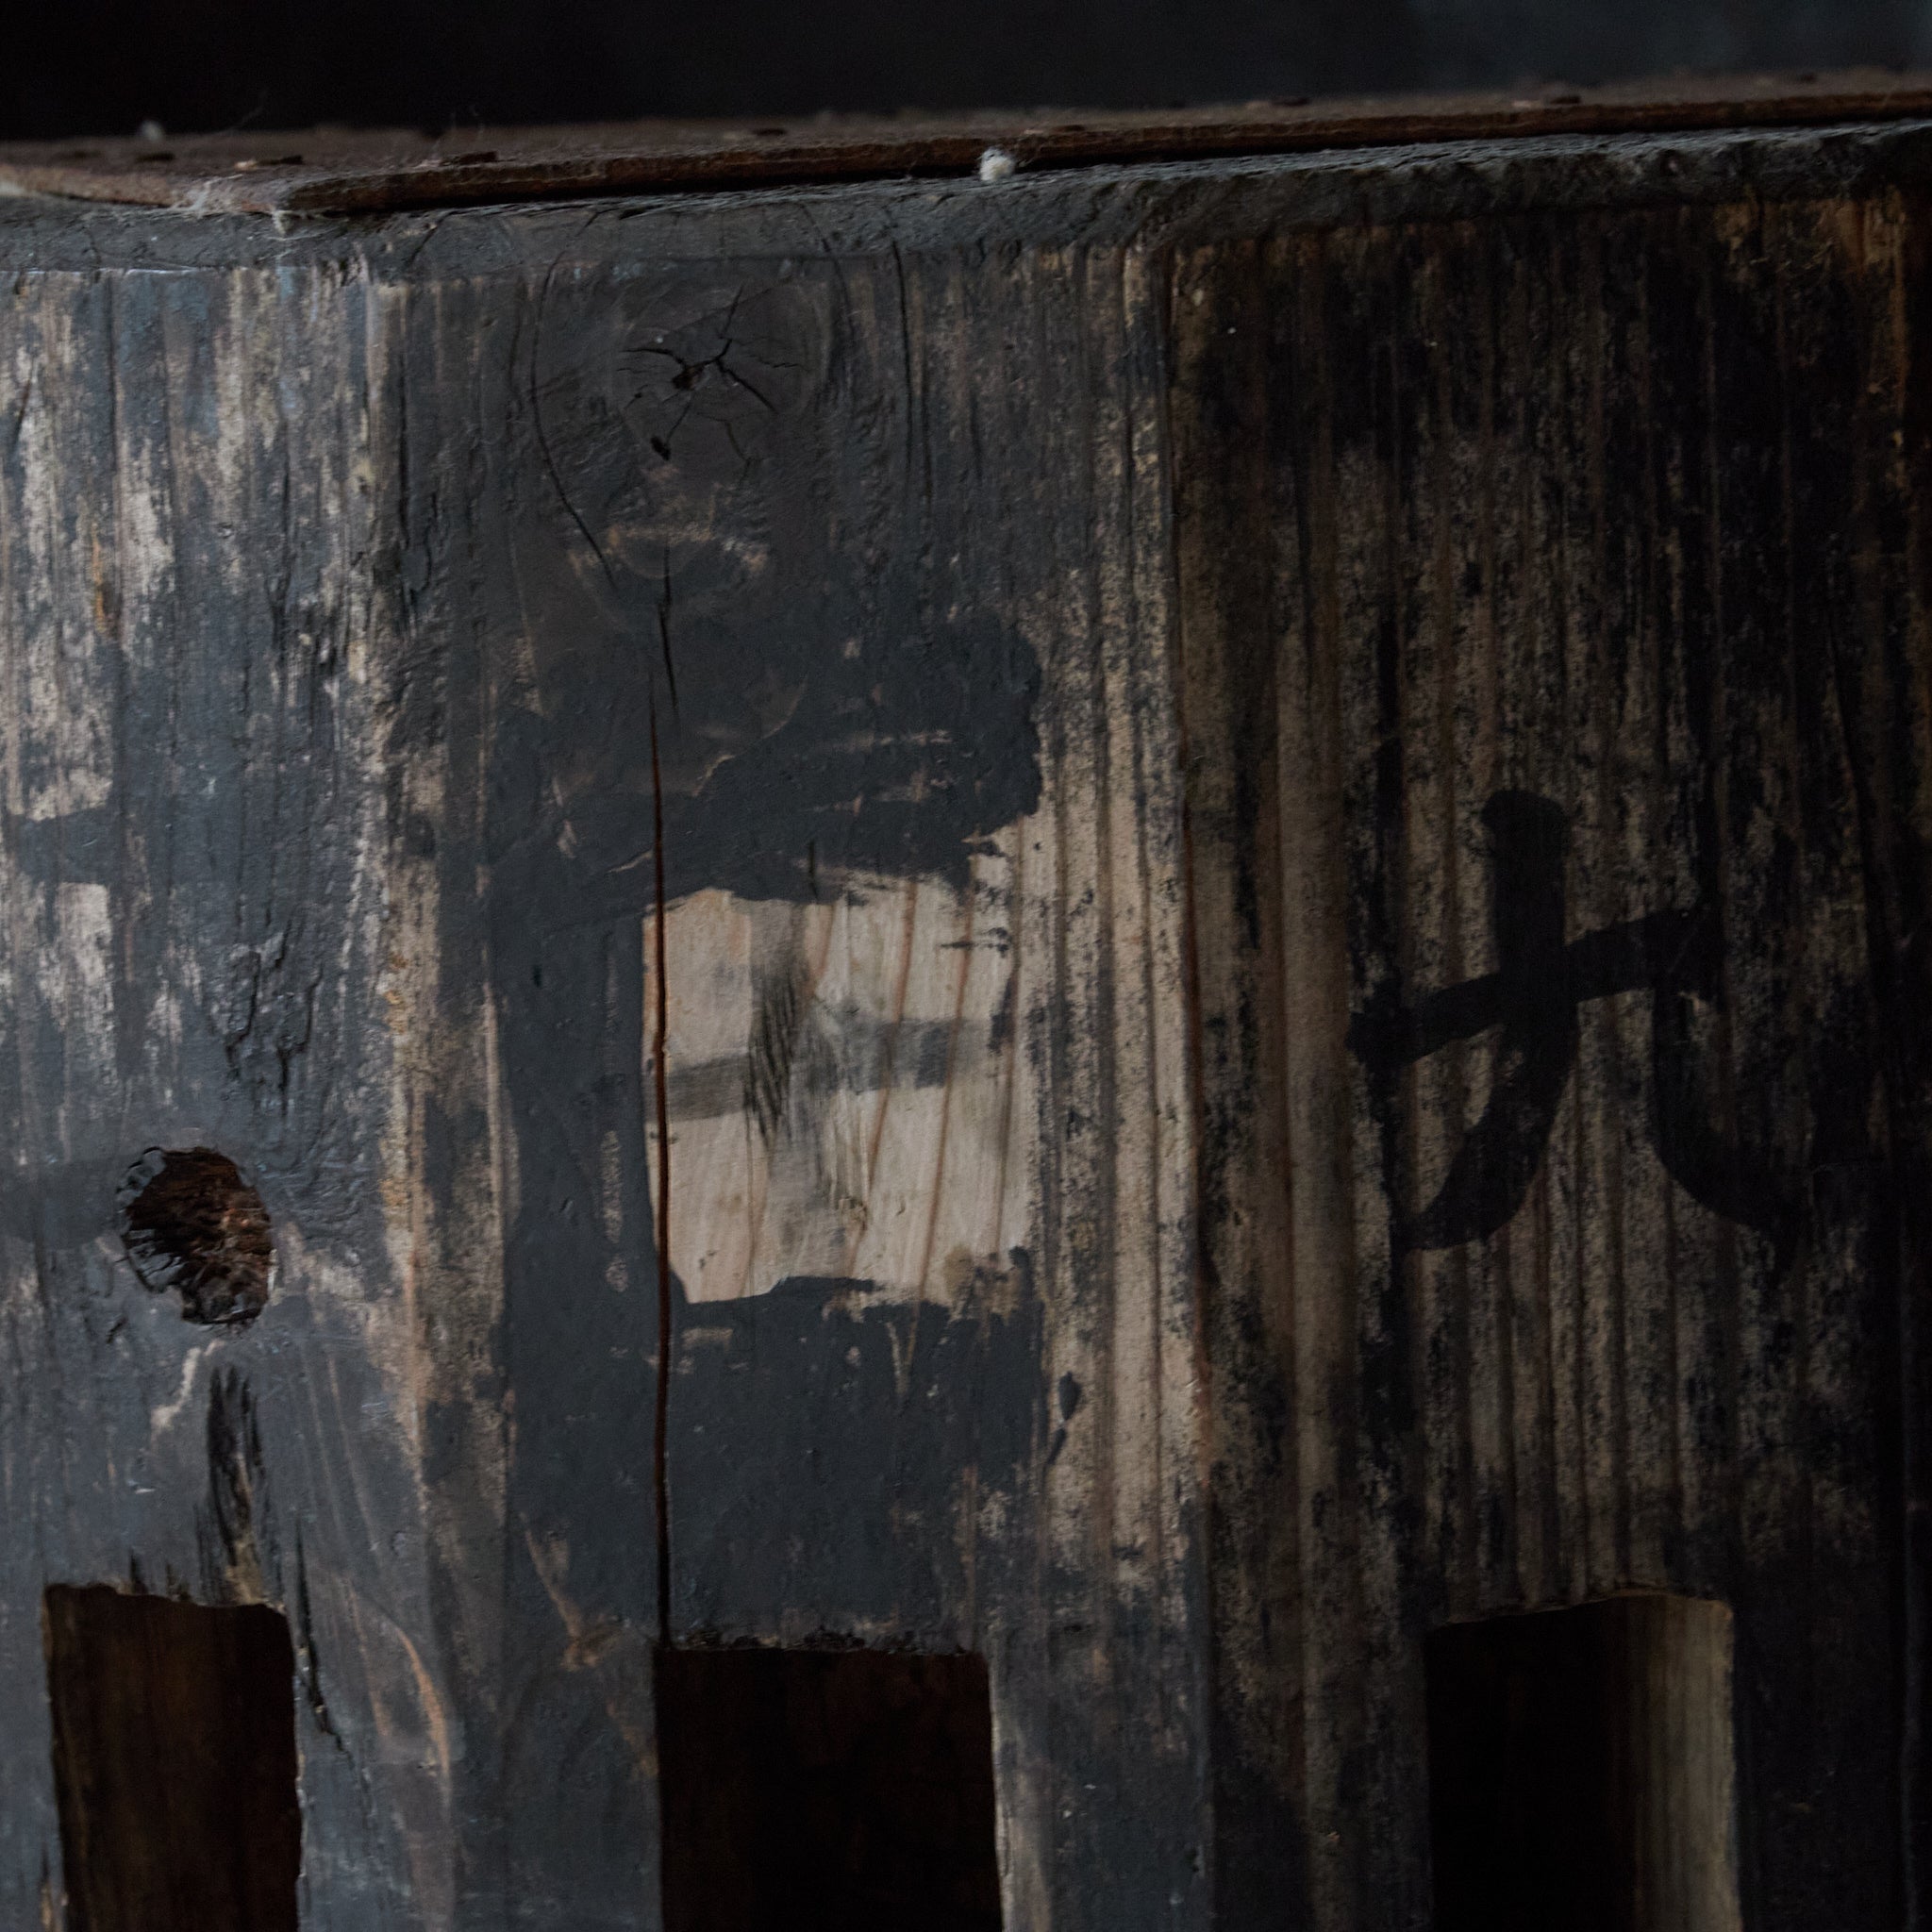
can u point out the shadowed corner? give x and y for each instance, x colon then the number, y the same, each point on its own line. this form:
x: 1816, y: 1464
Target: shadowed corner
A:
x: 832, y: 1787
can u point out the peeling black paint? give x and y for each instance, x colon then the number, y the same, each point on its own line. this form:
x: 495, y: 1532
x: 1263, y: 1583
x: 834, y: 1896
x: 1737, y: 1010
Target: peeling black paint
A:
x: 831, y: 1448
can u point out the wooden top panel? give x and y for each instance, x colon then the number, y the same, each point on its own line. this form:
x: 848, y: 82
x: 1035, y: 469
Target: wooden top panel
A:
x: 337, y: 171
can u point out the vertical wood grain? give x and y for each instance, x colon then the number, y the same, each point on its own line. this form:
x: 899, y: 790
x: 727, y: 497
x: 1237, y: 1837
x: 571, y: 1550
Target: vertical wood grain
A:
x: 1568, y: 508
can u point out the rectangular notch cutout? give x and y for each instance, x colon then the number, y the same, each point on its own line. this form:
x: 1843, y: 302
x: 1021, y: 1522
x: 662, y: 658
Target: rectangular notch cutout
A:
x: 174, y: 1763
x: 807, y: 1791
x: 1581, y: 1769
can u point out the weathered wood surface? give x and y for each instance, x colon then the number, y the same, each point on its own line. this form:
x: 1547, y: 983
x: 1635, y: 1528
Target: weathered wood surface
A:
x: 1077, y: 654
x: 378, y: 171
x: 1620, y: 515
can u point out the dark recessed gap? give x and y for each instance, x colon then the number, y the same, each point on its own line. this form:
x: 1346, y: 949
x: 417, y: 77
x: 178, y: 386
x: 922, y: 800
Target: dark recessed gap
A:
x: 174, y: 1763
x: 191, y: 1224
x: 1581, y: 1769
x: 808, y: 1790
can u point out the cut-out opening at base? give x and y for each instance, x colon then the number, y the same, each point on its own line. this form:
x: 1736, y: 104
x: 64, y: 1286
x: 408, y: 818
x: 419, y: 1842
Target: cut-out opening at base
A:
x: 817, y: 1789
x: 174, y: 1763
x: 1581, y: 1769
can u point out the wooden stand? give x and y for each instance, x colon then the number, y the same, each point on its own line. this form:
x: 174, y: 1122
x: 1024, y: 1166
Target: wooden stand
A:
x: 1084, y: 948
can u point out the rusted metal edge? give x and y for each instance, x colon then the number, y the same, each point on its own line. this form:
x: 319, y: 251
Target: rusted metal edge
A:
x: 339, y: 171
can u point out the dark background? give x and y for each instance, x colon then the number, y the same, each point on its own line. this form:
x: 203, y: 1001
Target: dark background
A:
x: 203, y: 64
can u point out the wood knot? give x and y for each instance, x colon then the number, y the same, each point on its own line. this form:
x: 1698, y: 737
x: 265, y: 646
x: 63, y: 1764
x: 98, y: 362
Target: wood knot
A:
x: 190, y: 1224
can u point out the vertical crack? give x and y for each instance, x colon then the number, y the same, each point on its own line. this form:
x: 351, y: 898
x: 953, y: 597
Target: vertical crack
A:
x: 660, y: 1471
